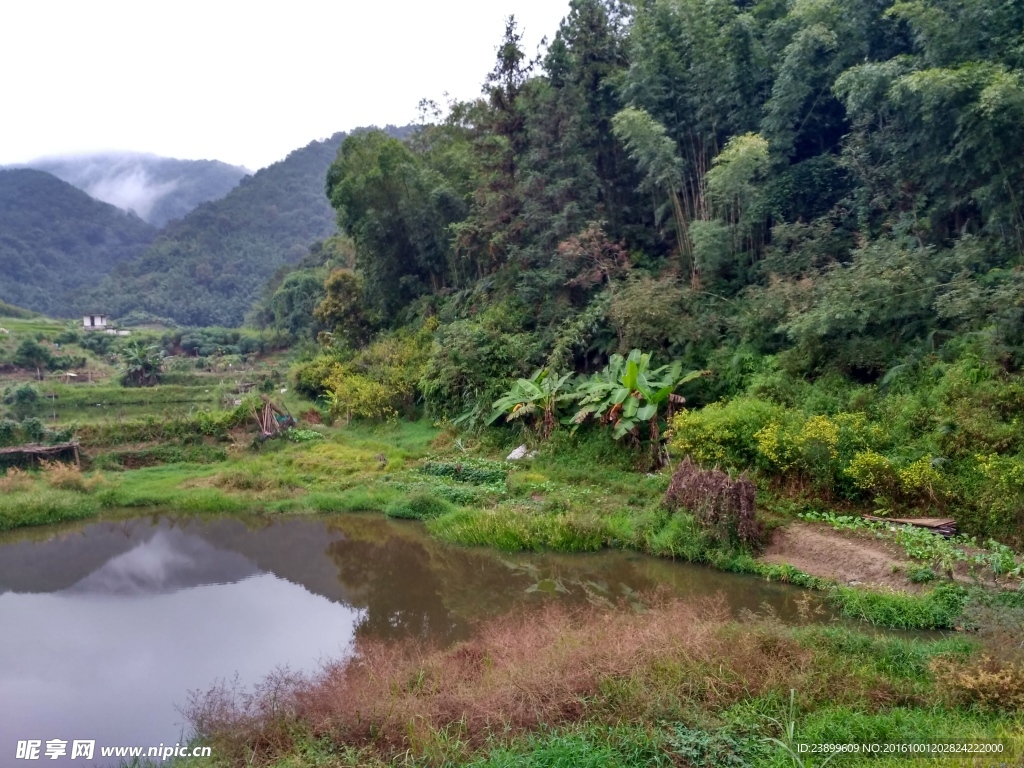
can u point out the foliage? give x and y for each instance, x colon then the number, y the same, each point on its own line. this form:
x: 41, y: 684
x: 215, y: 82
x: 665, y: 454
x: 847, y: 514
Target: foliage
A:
x: 470, y: 470
x: 418, y: 506
x: 723, y: 505
x: 534, y: 398
x: 472, y: 363
x: 142, y: 364
x: 341, y: 309
x: 378, y: 381
x: 57, y: 241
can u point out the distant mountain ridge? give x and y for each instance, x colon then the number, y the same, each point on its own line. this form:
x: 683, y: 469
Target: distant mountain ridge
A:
x: 157, y: 189
x: 56, y: 240
x: 209, y: 267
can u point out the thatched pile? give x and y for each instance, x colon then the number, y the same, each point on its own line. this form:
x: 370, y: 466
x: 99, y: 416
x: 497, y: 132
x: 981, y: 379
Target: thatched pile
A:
x: 720, y: 503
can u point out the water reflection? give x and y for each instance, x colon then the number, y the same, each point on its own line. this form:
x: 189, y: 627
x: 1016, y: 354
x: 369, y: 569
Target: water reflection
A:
x: 105, y: 627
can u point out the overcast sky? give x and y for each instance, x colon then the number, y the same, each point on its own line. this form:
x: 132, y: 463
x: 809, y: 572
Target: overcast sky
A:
x: 242, y: 82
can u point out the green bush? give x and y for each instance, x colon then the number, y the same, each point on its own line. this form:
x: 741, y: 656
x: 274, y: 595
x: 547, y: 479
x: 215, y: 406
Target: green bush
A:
x: 419, y: 506
x: 470, y: 470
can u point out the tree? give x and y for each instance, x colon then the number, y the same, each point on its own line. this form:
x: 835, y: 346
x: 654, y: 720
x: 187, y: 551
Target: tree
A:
x: 535, y: 398
x: 31, y: 354
x: 387, y: 201
x: 142, y: 364
x: 342, y: 309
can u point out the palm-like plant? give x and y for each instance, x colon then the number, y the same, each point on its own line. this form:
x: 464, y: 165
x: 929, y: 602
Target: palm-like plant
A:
x: 535, y: 398
x: 629, y: 393
x: 143, y: 363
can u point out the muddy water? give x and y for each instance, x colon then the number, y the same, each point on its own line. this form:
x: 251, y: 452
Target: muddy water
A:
x: 106, y: 627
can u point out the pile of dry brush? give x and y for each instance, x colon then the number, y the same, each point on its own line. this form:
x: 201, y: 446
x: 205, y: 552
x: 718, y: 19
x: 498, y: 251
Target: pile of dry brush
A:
x: 722, y: 505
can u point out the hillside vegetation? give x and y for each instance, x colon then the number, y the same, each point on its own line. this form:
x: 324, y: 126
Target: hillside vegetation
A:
x: 811, y: 207
x: 209, y: 267
x: 157, y: 189
x: 55, y: 240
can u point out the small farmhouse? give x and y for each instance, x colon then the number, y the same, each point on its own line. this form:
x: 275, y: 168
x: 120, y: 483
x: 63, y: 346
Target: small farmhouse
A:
x: 94, y: 322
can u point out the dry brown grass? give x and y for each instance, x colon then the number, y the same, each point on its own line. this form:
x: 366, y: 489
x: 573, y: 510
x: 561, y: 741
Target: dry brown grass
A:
x: 990, y: 683
x: 69, y: 477
x: 722, y: 504
x: 519, y: 673
x: 14, y: 480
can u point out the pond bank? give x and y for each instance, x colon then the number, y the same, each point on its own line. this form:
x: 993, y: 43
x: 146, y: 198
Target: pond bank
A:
x: 576, y: 498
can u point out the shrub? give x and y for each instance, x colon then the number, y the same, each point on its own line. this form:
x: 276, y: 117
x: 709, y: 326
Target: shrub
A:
x: 24, y: 394
x: 723, y: 505
x: 873, y: 473
x: 724, y: 433
x: 988, y: 683
x: 14, y: 480
x: 418, y: 506
x: 921, y: 574
x: 472, y: 363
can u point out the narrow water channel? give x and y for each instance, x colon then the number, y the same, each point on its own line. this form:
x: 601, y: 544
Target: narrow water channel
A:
x: 106, y: 627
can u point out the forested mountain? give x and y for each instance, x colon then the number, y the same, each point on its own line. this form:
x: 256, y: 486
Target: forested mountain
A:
x: 158, y: 189
x: 211, y: 266
x: 55, y: 240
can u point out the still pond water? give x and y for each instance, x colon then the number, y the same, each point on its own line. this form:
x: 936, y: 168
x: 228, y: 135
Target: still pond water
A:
x: 106, y: 627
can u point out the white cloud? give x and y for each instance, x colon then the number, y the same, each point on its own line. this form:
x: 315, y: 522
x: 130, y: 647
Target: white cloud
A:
x: 236, y: 81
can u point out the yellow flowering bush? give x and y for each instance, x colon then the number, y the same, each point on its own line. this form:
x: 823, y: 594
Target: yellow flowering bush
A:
x: 921, y: 479
x: 354, y: 395
x: 778, y: 446
x: 819, y: 434
x: 723, y: 434
x: 874, y: 473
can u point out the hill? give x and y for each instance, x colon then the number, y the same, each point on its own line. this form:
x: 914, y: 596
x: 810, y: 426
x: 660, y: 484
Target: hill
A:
x: 157, y: 189
x: 55, y: 240
x: 211, y: 266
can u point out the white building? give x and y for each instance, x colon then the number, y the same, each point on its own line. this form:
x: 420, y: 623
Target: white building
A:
x: 94, y: 322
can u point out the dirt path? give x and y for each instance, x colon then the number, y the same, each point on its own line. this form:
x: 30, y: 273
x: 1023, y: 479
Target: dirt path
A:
x: 845, y: 557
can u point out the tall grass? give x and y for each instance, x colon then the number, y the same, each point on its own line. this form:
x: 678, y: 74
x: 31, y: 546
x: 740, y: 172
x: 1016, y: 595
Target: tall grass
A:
x: 44, y: 506
x: 676, y: 685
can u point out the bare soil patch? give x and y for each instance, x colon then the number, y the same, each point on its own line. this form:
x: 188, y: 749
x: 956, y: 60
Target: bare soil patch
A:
x: 844, y: 556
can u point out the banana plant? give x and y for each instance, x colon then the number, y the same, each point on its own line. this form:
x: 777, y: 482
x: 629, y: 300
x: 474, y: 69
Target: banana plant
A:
x: 628, y: 393
x: 535, y: 398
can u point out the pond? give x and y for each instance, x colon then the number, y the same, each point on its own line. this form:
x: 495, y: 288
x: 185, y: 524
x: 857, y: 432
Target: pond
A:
x: 105, y: 627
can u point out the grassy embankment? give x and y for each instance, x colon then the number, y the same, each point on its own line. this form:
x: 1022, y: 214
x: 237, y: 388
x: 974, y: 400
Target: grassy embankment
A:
x: 577, y: 495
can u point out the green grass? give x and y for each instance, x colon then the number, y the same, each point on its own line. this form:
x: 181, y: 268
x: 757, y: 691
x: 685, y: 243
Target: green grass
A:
x: 584, y: 747
x: 941, y: 608
x: 44, y: 506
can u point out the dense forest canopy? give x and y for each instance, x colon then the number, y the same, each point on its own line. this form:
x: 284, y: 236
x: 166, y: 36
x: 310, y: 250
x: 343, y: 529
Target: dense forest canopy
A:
x: 813, y: 205
x: 835, y: 181
x: 55, y: 240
